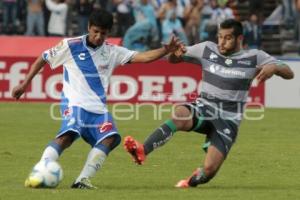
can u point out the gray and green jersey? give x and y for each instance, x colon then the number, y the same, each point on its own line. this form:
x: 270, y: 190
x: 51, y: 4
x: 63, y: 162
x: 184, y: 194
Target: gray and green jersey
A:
x: 226, y: 79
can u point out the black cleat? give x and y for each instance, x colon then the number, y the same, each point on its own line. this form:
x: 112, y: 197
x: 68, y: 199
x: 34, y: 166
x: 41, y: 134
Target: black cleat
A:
x: 84, y: 183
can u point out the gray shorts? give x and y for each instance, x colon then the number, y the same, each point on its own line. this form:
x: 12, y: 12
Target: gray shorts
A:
x: 219, y: 132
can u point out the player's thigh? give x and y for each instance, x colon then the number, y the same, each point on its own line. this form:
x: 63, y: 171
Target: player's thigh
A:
x: 222, y: 135
x: 71, y: 126
x: 102, y: 130
x: 182, y: 117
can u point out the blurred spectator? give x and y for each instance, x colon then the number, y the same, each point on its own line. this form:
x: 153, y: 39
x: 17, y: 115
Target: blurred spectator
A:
x: 179, y: 7
x: 157, y: 4
x: 144, y: 32
x: 180, y: 10
x: 252, y: 32
x: 101, y: 4
x: 288, y: 12
x: 172, y: 25
x: 222, y: 12
x: 35, y: 17
x: 297, y: 5
x: 58, y: 18
x: 124, y: 16
x: 166, y: 6
x: 9, y: 16
x: 193, y: 18
x: 208, y: 27
x: 84, y: 8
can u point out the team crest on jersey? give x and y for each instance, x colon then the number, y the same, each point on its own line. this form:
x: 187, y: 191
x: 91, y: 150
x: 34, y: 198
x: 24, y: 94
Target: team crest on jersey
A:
x: 228, y: 62
x: 105, y: 127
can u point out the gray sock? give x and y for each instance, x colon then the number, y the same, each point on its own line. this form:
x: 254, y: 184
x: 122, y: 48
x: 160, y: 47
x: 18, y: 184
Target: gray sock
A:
x: 160, y: 136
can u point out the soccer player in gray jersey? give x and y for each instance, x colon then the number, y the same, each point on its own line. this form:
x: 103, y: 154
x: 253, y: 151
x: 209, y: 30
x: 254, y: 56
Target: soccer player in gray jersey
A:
x: 228, y: 71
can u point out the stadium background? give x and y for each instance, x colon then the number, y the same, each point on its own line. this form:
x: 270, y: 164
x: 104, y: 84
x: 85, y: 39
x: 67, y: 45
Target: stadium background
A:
x: 264, y: 163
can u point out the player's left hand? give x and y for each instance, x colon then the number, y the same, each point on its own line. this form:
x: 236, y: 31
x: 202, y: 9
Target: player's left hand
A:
x: 173, y: 45
x: 18, y: 91
x: 266, y: 72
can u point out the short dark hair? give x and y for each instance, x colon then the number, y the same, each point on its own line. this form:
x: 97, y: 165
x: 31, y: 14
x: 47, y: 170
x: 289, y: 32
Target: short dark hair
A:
x: 232, y: 23
x: 101, y: 18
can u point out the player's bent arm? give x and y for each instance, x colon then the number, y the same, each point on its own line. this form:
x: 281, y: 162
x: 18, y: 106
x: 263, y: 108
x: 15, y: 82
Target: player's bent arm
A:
x: 149, y: 56
x: 284, y: 71
x: 38, y: 64
x: 35, y: 68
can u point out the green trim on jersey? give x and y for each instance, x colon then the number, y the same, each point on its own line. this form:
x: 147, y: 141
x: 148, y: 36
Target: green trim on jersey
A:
x: 206, y: 145
x: 171, y: 125
x: 200, y: 120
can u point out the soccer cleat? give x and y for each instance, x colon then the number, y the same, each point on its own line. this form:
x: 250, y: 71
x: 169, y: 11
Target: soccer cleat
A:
x: 84, y: 183
x: 135, y: 149
x: 185, y: 183
x: 33, y: 182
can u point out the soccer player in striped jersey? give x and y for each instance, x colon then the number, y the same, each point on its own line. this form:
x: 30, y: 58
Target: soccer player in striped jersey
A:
x: 228, y: 71
x: 88, y: 62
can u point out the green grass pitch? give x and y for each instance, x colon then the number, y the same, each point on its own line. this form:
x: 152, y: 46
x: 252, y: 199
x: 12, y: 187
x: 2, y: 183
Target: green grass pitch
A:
x: 263, y: 164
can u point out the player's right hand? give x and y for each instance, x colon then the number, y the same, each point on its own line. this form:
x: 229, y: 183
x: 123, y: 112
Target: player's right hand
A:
x: 18, y: 91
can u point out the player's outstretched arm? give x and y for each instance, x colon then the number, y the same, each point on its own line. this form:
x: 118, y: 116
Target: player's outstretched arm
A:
x: 149, y: 56
x: 176, y: 57
x: 35, y: 68
x: 279, y: 69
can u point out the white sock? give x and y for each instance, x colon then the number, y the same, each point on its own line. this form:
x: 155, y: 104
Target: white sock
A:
x: 50, y: 153
x: 93, y: 163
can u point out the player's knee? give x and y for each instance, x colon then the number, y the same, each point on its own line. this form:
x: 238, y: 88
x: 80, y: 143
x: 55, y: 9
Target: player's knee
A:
x: 117, y: 141
x: 65, y: 140
x: 182, y: 118
x: 112, y: 141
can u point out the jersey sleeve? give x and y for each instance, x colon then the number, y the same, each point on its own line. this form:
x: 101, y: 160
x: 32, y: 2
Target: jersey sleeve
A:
x: 122, y: 55
x: 195, y: 51
x: 264, y: 58
x: 56, y: 55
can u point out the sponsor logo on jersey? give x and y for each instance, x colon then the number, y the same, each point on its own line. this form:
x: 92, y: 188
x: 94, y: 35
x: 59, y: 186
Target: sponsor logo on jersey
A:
x: 67, y: 112
x: 216, y: 68
x: 81, y: 56
x: 105, y: 127
x: 244, y: 62
x: 213, y: 56
x: 103, y: 67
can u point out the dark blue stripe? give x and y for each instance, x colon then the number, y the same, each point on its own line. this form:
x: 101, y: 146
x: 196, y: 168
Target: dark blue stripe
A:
x: 66, y: 75
x: 87, y: 67
x: 64, y: 104
x: 103, y: 148
x: 56, y: 146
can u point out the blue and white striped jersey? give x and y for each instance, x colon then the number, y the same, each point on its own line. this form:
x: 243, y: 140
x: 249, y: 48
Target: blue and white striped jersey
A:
x: 86, y: 71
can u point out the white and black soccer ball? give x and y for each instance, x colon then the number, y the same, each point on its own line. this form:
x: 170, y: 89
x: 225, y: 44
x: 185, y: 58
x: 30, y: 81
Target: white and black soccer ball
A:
x: 46, y: 173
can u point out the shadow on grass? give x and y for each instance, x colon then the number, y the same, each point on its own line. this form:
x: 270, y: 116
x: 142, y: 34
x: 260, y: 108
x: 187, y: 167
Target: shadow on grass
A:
x: 204, y: 188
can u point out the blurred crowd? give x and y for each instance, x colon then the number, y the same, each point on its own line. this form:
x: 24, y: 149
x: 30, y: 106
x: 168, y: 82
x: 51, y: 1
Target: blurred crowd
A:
x: 143, y: 24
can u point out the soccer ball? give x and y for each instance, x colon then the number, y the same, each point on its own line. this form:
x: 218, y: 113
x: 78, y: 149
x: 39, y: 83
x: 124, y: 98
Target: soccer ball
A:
x: 45, y: 174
